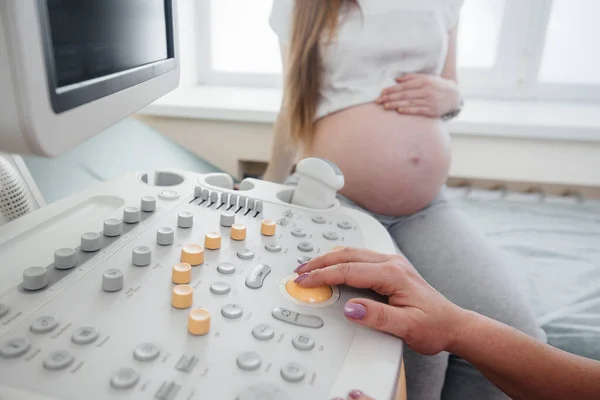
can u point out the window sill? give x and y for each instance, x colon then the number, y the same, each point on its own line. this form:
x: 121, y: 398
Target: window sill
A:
x: 528, y: 119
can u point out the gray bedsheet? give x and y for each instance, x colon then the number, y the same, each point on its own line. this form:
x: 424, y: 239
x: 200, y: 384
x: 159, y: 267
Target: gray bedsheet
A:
x: 553, y: 249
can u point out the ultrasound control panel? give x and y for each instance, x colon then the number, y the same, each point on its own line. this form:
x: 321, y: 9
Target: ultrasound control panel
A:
x: 180, y: 288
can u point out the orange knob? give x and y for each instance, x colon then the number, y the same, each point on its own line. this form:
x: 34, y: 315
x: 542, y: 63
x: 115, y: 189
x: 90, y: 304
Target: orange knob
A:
x: 308, y: 295
x: 212, y: 240
x: 268, y: 227
x: 181, y: 273
x: 182, y: 296
x: 199, y: 321
x: 238, y: 232
x: 192, y: 254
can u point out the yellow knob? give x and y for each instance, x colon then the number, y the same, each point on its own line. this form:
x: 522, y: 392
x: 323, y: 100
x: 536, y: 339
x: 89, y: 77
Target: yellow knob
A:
x: 238, y: 232
x: 181, y: 273
x: 212, y: 240
x: 268, y: 227
x: 182, y: 297
x: 199, y: 322
x: 308, y: 295
x: 338, y: 248
x: 192, y: 254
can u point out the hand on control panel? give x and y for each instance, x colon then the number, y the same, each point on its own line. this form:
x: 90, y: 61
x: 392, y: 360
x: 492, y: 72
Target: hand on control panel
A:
x: 318, y: 183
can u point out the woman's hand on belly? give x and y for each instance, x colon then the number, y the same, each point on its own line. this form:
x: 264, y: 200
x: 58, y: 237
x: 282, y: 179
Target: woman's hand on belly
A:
x: 419, y: 94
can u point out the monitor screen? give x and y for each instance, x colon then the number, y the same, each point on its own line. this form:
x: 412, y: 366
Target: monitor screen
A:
x: 97, y: 47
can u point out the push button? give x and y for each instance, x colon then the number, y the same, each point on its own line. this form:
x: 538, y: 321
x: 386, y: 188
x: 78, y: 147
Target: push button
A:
x: 148, y: 204
x: 35, y: 278
x: 303, y: 342
x: 308, y: 295
x: 113, y: 227
x: 112, y: 280
x: 165, y: 236
x: 146, y: 352
x: 249, y: 361
x: 199, y: 322
x: 44, y: 324
x: 141, y: 256
x: 185, y: 220
x: 183, y: 296
x: 132, y: 215
x: 246, y: 254
x: 294, y: 318
x: 14, y: 348
x: 192, y: 254
x: 60, y: 359
x: 90, y: 242
x: 257, y: 276
x: 85, y: 335
x: 64, y: 259
x: 125, y: 378
x: 167, y: 391
x: 293, y: 372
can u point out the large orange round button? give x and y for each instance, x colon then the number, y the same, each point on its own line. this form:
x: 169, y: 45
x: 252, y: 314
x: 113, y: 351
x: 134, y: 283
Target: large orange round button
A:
x: 238, y: 232
x: 199, y: 321
x: 182, y: 296
x: 308, y: 295
x: 268, y: 227
x: 181, y: 273
x: 192, y: 254
x: 212, y: 240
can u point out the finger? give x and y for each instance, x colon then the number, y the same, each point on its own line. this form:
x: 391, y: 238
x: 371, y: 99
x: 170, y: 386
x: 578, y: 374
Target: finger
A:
x: 378, y: 316
x: 358, y: 395
x: 409, y: 94
x: 409, y: 77
x: 345, y: 255
x: 426, y: 111
x: 395, y: 104
x: 412, y: 84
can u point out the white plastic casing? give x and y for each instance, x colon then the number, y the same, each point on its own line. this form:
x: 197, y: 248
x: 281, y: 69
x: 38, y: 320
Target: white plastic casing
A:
x: 28, y: 123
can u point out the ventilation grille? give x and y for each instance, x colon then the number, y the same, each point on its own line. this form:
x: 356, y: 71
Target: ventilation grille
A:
x: 14, y: 197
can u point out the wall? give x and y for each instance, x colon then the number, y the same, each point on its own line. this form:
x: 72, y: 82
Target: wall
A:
x: 474, y: 157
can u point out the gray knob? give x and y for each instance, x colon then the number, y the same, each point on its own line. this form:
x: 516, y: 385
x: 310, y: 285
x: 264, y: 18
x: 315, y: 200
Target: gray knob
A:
x: 35, y: 278
x: 112, y: 280
x: 148, y: 204
x: 141, y: 256
x: 224, y: 198
x: 185, y: 219
x: 205, y: 194
x: 165, y: 236
x: 113, y: 227
x: 64, y: 259
x: 90, y: 241
x: 258, y: 206
x: 131, y: 215
x: 198, y: 191
x: 233, y: 199
x: 227, y: 219
x: 250, y: 204
x: 214, y: 196
x: 242, y: 202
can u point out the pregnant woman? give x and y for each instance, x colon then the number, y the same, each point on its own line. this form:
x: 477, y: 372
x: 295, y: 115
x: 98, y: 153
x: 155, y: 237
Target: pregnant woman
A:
x: 368, y: 85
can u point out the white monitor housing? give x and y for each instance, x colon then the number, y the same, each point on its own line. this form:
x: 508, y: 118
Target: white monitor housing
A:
x: 71, y: 68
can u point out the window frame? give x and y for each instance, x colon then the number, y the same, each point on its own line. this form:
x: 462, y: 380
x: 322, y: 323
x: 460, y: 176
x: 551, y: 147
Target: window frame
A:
x: 513, y: 76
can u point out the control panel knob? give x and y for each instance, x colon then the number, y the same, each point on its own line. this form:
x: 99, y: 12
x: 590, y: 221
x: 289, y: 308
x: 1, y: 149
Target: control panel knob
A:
x: 182, y: 296
x: 113, y: 227
x: 141, y: 256
x: 192, y: 254
x: 90, y: 242
x: 308, y: 295
x: 212, y: 240
x: 148, y: 204
x: 181, y: 273
x: 238, y: 232
x: 35, y: 278
x: 64, y: 259
x: 131, y: 215
x: 165, y: 236
x: 227, y: 219
x: 214, y: 197
x: 268, y: 227
x: 233, y: 199
x: 199, y: 321
x: 318, y: 183
x: 112, y: 280
x: 185, y: 219
x: 258, y: 206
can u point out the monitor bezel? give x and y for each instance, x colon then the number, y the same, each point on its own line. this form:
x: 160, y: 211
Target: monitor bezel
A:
x: 72, y: 96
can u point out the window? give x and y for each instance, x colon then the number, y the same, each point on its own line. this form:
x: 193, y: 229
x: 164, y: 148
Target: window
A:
x: 507, y: 48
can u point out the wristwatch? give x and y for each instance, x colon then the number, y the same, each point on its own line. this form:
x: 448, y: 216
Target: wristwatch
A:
x: 453, y: 114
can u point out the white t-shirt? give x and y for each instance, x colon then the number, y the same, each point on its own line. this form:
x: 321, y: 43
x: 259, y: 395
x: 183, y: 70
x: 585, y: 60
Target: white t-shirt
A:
x: 384, y: 40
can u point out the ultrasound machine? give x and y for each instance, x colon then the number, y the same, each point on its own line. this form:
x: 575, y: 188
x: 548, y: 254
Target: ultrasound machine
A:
x: 167, y: 284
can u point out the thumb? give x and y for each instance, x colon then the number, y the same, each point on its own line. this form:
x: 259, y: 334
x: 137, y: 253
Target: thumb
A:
x: 376, y: 315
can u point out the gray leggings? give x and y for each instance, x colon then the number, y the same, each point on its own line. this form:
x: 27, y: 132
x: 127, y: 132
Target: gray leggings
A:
x: 457, y: 260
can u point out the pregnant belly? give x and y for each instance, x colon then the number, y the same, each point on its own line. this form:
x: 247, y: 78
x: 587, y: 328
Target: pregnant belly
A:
x: 393, y: 164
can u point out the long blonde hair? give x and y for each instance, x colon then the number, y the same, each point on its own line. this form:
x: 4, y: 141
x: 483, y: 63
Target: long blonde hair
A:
x: 303, y: 83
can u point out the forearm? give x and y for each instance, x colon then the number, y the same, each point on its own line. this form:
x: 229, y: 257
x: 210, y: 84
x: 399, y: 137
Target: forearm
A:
x: 523, y: 367
x: 283, y: 153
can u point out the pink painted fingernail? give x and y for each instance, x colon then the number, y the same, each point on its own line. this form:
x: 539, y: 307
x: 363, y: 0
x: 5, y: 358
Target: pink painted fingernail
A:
x: 301, y: 277
x: 355, y: 394
x: 300, y: 267
x: 355, y: 311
